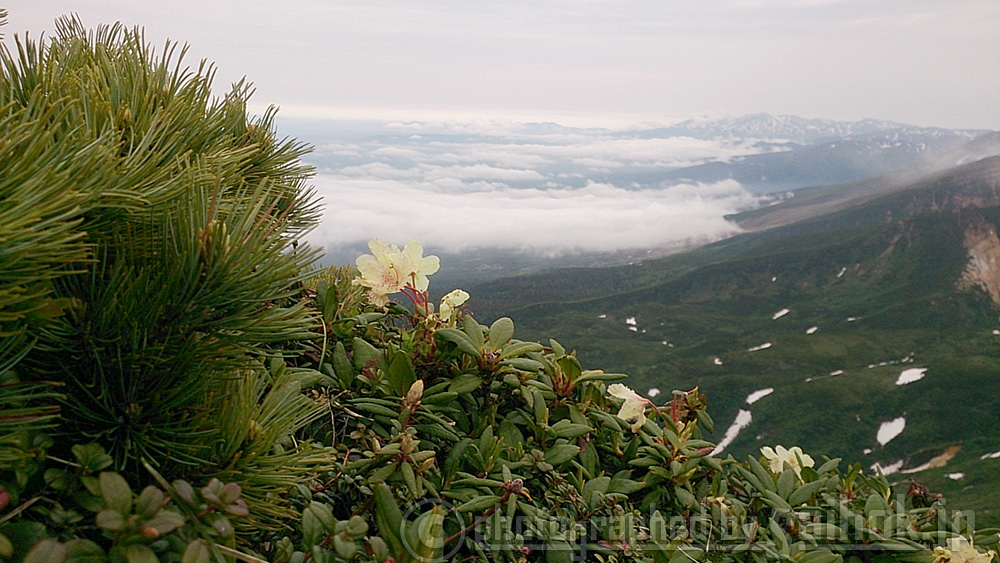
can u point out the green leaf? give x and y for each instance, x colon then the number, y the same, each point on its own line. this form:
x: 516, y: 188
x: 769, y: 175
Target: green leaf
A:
x: 317, y: 523
x: 558, y: 552
x: 876, y: 506
x: 401, y: 373
x: 136, y: 553
x: 165, y: 521
x: 46, y: 551
x: 439, y: 398
x: 684, y: 496
x: 570, y: 367
x: 454, y: 457
x: 196, y: 552
x: 625, y: 486
x: 566, y: 429
x: 478, y: 504
x: 365, y: 354
x: 775, y: 500
x: 805, y: 492
x: 116, y: 492
x: 829, y: 466
x: 561, y: 453
x: 541, y: 410
x: 517, y: 349
x: 149, y: 502
x: 762, y: 474
x: 474, y: 331
x: 389, y: 519
x: 786, y: 483
x: 428, y: 533
x: 600, y: 376
x: 821, y: 556
x: 110, y: 520
x: 501, y: 331
x: 342, y: 365
x: 594, y: 487
x: 91, y: 456
x: 465, y: 383
x: 345, y: 548
x: 459, y: 339
x: 84, y: 551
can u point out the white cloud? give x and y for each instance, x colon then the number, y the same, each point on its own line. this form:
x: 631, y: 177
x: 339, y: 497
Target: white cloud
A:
x: 597, y: 217
x: 453, y: 188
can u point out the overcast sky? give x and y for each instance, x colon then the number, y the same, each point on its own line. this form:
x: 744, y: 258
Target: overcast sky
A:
x: 924, y: 62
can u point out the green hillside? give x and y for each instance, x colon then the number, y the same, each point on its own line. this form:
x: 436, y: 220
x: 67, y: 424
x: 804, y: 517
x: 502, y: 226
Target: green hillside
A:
x: 882, y: 299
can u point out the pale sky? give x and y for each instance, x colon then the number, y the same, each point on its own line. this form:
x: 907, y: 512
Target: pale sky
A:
x: 923, y: 62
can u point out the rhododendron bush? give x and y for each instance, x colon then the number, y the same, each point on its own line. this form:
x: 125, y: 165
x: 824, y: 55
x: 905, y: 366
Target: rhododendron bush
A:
x: 180, y: 381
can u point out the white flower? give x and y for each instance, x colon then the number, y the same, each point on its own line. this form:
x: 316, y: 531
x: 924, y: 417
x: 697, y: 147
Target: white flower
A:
x: 451, y: 301
x: 779, y: 456
x: 634, y: 406
x: 389, y: 270
x: 380, y: 271
x: 961, y: 551
x: 416, y: 266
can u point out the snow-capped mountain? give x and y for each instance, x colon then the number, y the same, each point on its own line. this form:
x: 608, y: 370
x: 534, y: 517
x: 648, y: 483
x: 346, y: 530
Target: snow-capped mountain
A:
x: 791, y: 128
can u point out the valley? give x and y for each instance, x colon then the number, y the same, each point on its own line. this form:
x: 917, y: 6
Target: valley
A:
x: 866, y: 328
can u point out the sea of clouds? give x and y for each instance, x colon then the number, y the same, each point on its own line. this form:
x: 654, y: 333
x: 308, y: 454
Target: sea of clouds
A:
x: 516, y: 186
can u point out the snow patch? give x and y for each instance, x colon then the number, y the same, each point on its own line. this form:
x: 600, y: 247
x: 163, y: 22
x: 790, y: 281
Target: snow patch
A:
x: 851, y: 319
x: 993, y: 455
x: 812, y: 329
x: 836, y: 373
x: 888, y: 469
x: 890, y: 429
x: 633, y: 329
x: 911, y: 375
x: 759, y: 394
x: 653, y: 391
x: 743, y: 419
x: 996, y: 332
x: 763, y: 346
x: 842, y: 272
x: 780, y: 314
x: 867, y: 451
x: 956, y: 476
x: 774, y: 278
x: 602, y: 316
x: 717, y: 361
x: 630, y: 321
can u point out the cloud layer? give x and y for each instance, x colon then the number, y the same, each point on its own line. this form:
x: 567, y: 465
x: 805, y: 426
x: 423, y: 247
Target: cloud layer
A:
x: 506, y: 187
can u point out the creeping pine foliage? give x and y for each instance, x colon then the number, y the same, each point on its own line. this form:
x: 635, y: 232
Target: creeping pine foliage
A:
x: 179, y: 382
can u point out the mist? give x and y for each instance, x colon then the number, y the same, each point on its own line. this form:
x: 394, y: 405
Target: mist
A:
x: 521, y: 187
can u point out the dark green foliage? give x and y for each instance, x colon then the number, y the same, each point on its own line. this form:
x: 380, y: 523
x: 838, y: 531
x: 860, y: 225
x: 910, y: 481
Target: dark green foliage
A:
x: 161, y: 326
x: 900, y: 284
x: 149, y: 267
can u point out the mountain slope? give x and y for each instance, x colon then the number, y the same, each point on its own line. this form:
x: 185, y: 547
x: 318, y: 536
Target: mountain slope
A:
x: 828, y: 314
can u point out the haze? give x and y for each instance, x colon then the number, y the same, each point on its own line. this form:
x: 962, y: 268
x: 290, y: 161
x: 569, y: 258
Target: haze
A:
x: 924, y: 62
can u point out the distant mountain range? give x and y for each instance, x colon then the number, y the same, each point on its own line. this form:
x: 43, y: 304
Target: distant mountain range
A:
x: 796, y: 152
x: 858, y: 320
x: 805, y: 131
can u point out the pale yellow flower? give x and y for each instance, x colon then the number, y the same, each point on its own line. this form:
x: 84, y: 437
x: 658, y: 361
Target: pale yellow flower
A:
x: 416, y: 266
x: 389, y: 270
x: 634, y: 406
x: 380, y: 271
x: 452, y: 301
x: 961, y: 551
x: 779, y: 456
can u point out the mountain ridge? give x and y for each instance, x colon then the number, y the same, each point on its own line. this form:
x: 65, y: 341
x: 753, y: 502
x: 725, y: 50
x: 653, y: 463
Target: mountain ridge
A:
x: 827, y: 313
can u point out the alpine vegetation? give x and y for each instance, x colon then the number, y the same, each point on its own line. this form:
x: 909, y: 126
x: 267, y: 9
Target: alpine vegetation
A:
x: 179, y: 381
